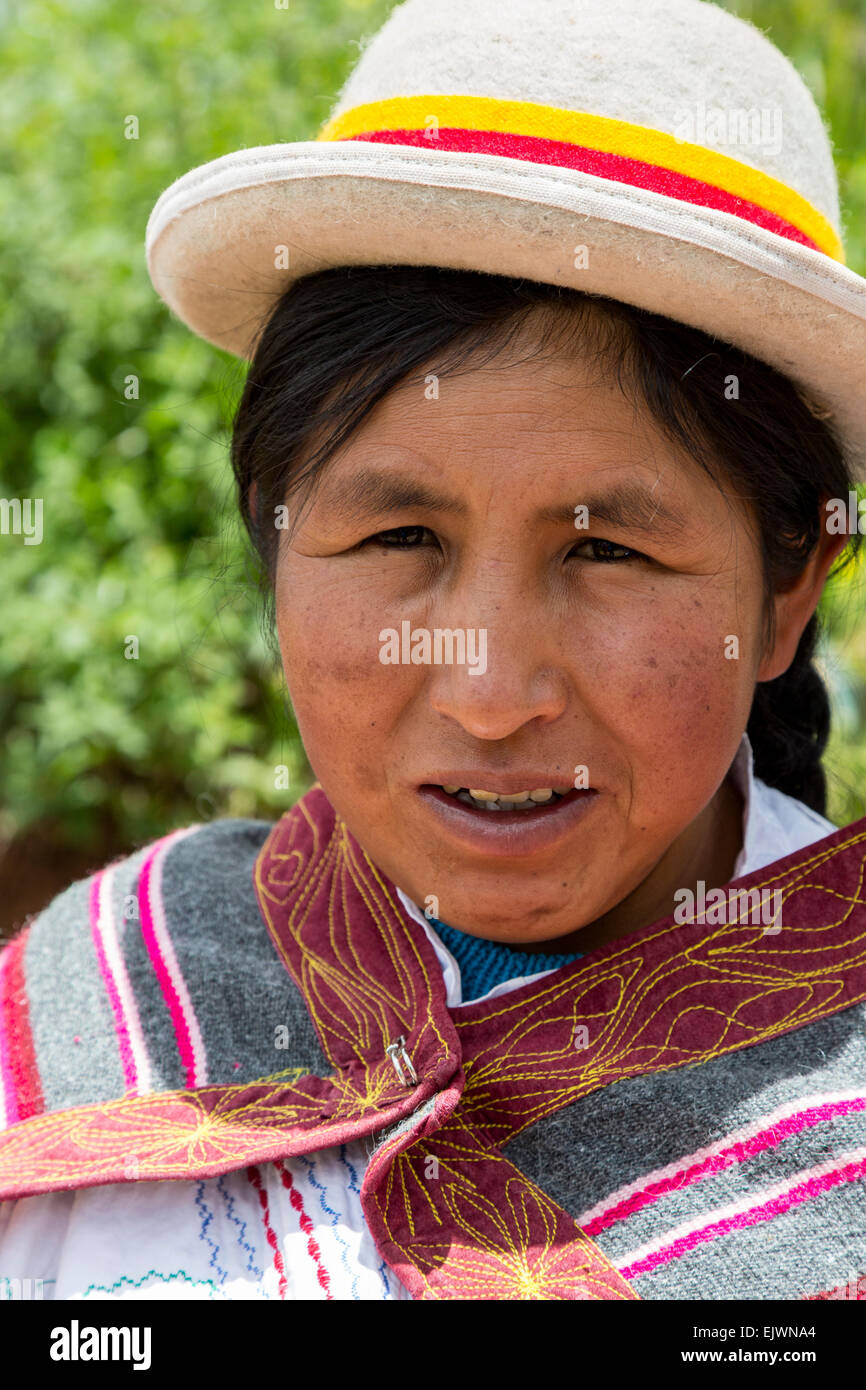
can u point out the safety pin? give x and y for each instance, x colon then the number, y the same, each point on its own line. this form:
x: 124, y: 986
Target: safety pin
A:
x: 400, y: 1058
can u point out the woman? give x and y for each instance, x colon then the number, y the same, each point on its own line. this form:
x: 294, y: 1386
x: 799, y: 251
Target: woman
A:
x: 552, y: 986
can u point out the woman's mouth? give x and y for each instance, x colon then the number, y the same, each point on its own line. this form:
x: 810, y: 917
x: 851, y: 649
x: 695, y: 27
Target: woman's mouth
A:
x: 507, y: 801
x: 508, y: 823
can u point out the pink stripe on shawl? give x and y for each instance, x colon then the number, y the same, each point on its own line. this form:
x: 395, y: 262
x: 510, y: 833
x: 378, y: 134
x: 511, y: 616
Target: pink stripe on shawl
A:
x: 740, y: 1215
x: 8, y: 1104
x: 743, y: 1144
x: 190, y: 1043
x: 20, y: 1084
x: 127, y: 1023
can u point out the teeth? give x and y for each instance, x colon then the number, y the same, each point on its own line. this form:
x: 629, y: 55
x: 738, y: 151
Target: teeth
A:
x: 485, y: 800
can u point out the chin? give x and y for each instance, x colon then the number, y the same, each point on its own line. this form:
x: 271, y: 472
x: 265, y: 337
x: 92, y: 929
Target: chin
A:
x: 508, y: 920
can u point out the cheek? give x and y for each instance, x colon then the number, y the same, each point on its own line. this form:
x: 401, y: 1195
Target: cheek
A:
x: 327, y: 635
x: 669, y: 693
x: 345, y: 701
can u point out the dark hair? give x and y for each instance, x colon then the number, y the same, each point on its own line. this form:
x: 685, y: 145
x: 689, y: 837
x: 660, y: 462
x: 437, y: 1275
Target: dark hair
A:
x: 339, y: 340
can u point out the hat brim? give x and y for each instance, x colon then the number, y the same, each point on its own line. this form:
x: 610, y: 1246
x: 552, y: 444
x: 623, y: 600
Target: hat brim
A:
x: 213, y: 239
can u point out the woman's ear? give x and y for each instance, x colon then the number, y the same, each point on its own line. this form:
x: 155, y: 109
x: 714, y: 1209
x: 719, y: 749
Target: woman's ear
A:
x: 253, y: 501
x: 795, y: 605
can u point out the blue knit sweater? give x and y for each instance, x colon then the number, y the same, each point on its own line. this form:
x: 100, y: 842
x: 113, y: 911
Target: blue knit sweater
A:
x: 484, y: 964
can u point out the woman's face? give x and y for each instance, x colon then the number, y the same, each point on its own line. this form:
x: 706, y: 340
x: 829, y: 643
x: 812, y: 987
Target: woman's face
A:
x: 619, y: 654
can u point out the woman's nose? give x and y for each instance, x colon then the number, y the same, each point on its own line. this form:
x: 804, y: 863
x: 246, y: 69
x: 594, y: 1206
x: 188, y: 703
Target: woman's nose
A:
x: 512, y: 673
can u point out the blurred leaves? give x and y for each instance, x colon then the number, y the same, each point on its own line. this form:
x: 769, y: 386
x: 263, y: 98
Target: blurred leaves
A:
x: 140, y: 532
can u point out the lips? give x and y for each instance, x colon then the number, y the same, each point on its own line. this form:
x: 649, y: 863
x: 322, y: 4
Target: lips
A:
x: 509, y: 832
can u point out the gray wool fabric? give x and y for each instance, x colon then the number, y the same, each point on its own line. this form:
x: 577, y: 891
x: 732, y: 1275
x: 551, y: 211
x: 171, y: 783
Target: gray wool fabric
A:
x: 744, y: 1177
x: 618, y: 1136
x: 246, y: 1005
x: 73, y: 1031
x: 214, y: 919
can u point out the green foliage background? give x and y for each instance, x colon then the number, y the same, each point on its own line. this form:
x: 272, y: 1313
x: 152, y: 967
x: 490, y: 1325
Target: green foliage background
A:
x: 140, y: 532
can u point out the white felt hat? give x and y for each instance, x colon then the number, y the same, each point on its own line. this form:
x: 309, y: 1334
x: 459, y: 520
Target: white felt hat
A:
x: 660, y: 152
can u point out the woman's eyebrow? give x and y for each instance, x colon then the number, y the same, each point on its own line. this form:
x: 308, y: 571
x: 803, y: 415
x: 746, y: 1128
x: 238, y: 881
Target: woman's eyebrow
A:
x: 370, y: 493
x: 630, y: 506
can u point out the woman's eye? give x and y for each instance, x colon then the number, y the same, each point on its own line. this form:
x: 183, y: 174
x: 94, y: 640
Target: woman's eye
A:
x: 400, y: 537
x: 412, y: 537
x: 606, y: 551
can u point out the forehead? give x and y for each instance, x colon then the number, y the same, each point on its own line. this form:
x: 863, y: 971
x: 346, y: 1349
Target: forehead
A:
x: 540, y: 427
